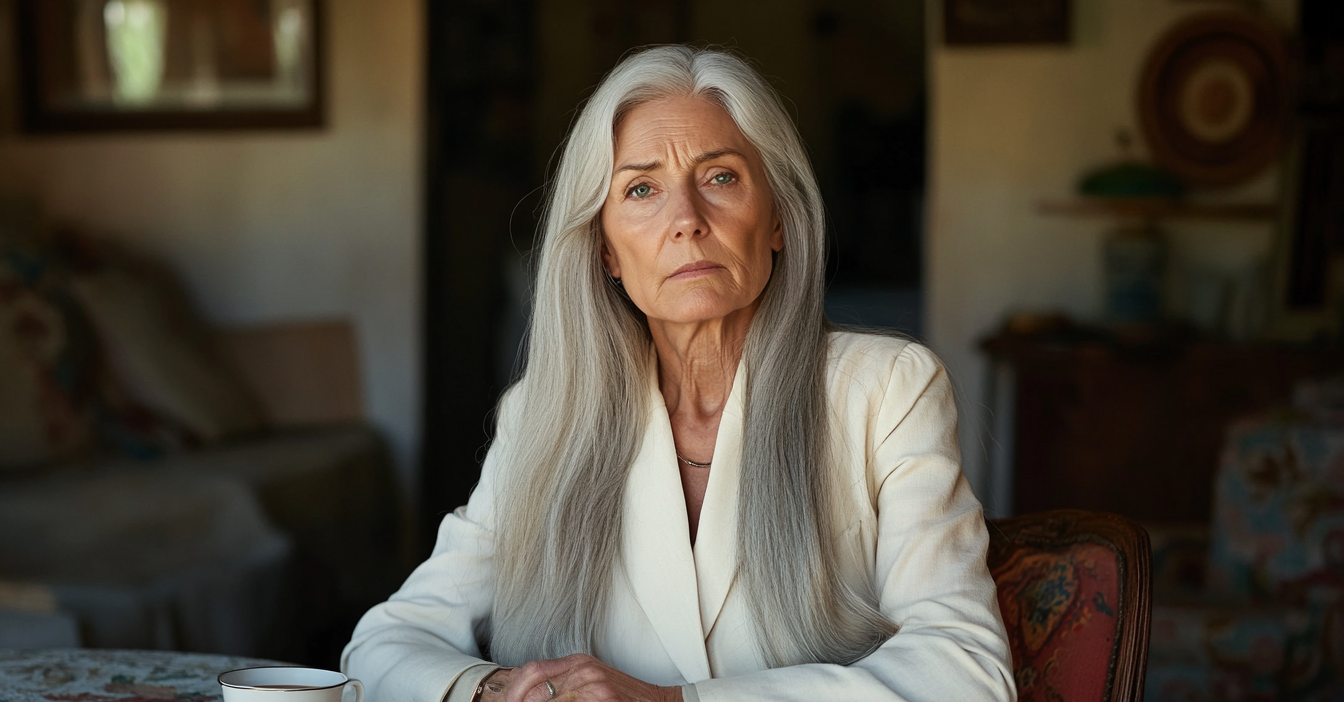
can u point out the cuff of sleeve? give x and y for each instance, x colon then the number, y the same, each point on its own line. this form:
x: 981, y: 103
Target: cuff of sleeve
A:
x: 464, y: 687
x: 688, y: 693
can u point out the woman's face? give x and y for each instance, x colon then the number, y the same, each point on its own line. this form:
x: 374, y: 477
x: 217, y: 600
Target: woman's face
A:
x: 688, y: 224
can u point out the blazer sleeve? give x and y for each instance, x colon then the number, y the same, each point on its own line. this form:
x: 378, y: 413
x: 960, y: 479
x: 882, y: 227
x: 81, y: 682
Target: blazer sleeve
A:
x: 424, y: 639
x: 930, y: 574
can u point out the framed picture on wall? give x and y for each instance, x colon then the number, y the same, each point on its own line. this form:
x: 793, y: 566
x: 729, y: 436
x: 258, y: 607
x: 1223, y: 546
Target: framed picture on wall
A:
x: 1308, y: 279
x: 975, y: 22
x: 105, y: 65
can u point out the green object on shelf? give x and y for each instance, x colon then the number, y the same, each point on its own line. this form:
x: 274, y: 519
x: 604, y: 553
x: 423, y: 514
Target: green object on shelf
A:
x: 1131, y: 179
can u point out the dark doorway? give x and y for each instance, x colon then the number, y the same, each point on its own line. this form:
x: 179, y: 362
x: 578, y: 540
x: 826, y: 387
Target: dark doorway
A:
x: 505, y: 78
x: 477, y: 132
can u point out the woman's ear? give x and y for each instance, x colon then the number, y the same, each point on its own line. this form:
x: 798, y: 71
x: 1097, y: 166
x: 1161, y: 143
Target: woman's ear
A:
x: 777, y: 236
x: 609, y: 261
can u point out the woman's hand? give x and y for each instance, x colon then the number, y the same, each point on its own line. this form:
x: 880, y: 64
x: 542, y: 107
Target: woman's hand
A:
x: 577, y: 678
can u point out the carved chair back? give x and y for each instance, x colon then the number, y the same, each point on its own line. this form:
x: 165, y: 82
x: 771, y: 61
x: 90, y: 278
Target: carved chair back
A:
x: 1075, y: 590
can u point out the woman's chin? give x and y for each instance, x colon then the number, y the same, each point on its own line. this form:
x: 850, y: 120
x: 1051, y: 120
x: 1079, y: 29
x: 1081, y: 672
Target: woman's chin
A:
x: 698, y: 309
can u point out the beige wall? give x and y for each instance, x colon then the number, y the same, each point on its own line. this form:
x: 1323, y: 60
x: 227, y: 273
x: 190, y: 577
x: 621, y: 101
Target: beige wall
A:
x: 1013, y: 125
x: 279, y: 225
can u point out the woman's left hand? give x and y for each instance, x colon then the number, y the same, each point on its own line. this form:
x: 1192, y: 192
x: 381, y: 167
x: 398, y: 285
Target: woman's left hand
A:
x: 582, y: 678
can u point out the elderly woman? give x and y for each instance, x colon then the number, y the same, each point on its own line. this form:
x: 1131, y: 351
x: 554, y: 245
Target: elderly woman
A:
x: 698, y: 489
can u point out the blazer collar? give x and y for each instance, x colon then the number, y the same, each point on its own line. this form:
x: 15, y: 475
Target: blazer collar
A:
x: 716, y: 540
x: 681, y: 590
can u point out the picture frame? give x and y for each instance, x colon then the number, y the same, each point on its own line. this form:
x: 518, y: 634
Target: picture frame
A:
x: 1307, y: 267
x: 144, y: 65
x: 998, y: 22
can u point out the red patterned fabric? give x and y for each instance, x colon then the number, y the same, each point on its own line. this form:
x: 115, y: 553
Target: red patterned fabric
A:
x: 1059, y: 608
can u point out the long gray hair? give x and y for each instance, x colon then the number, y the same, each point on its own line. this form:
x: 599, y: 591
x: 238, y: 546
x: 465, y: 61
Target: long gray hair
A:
x: 584, y: 401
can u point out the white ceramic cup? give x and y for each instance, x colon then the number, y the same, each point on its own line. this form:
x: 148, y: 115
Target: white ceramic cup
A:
x: 291, y: 684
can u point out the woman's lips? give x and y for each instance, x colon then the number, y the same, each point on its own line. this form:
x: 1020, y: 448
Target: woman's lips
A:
x: 692, y: 270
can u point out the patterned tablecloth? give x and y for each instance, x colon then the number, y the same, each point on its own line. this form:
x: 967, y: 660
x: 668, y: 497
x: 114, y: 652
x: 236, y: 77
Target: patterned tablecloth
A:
x: 105, y: 675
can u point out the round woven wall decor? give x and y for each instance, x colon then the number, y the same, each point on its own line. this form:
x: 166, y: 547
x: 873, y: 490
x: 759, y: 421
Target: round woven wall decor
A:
x: 1214, y: 96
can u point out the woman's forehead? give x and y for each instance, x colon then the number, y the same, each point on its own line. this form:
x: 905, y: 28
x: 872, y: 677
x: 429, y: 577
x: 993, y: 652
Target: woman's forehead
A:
x: 683, y: 127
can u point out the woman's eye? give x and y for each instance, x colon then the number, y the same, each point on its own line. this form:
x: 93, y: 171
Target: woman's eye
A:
x: 722, y: 179
x: 641, y: 191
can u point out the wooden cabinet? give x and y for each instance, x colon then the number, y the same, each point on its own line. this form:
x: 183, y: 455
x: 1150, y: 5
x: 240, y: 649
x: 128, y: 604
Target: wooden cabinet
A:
x: 1136, y: 430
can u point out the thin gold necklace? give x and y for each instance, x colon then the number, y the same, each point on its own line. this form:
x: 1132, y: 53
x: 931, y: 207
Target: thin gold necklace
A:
x: 691, y: 463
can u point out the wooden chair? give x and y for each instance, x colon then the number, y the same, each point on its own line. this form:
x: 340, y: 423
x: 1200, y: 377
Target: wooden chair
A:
x: 1075, y: 591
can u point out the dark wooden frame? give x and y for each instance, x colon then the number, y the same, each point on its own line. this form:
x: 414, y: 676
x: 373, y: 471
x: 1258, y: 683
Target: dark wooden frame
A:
x: 1056, y: 529
x: 37, y: 119
x: 1007, y: 29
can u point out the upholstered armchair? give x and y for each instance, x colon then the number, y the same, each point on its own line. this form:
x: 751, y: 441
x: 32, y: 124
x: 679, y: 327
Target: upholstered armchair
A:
x: 1253, y: 608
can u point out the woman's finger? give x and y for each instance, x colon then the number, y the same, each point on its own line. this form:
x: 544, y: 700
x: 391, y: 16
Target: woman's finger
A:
x: 566, y: 678
x: 579, y: 678
x: 524, y: 679
x: 529, y: 682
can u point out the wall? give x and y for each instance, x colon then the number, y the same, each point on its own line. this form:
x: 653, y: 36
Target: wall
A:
x: 1013, y: 125
x: 275, y: 225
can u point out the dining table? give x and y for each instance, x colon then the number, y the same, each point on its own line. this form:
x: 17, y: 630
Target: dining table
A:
x: 114, y: 675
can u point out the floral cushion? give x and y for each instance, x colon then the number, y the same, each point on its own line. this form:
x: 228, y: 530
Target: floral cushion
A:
x: 47, y: 368
x: 1278, y: 524
x: 154, y: 343
x: 1060, y: 611
x: 58, y: 399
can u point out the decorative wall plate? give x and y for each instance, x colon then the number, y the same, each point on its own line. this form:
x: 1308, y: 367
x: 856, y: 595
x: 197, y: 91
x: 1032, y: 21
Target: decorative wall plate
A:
x: 1213, y: 98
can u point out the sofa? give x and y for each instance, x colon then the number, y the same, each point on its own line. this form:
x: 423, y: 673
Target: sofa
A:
x: 169, y: 485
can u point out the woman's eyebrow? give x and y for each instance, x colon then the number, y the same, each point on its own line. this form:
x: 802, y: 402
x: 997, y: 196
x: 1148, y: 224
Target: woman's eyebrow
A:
x: 702, y: 158
x: 711, y: 155
x: 651, y: 165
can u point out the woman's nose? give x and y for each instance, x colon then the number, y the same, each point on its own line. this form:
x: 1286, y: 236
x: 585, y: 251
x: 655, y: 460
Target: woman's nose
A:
x: 688, y: 217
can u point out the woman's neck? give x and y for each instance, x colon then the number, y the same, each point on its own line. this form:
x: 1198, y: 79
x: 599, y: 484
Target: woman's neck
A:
x: 696, y: 365
x: 697, y: 362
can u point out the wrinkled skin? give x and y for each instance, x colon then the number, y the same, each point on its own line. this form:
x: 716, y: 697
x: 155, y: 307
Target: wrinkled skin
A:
x: 689, y: 229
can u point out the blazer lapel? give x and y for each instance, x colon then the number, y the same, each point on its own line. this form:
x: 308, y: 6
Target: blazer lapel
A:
x: 716, y: 539
x: 656, y: 546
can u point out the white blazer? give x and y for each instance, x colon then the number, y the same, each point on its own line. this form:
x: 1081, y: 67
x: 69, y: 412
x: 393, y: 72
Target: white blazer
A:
x: 916, y: 532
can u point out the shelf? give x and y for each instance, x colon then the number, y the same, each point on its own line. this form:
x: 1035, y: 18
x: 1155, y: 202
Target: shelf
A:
x: 1158, y: 208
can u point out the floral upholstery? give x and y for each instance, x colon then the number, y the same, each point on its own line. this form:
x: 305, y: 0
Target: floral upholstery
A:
x: 1278, y: 525
x: 1268, y: 623
x: 1215, y: 651
x: 48, y: 382
x: 1060, y: 610
x: 59, y: 399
